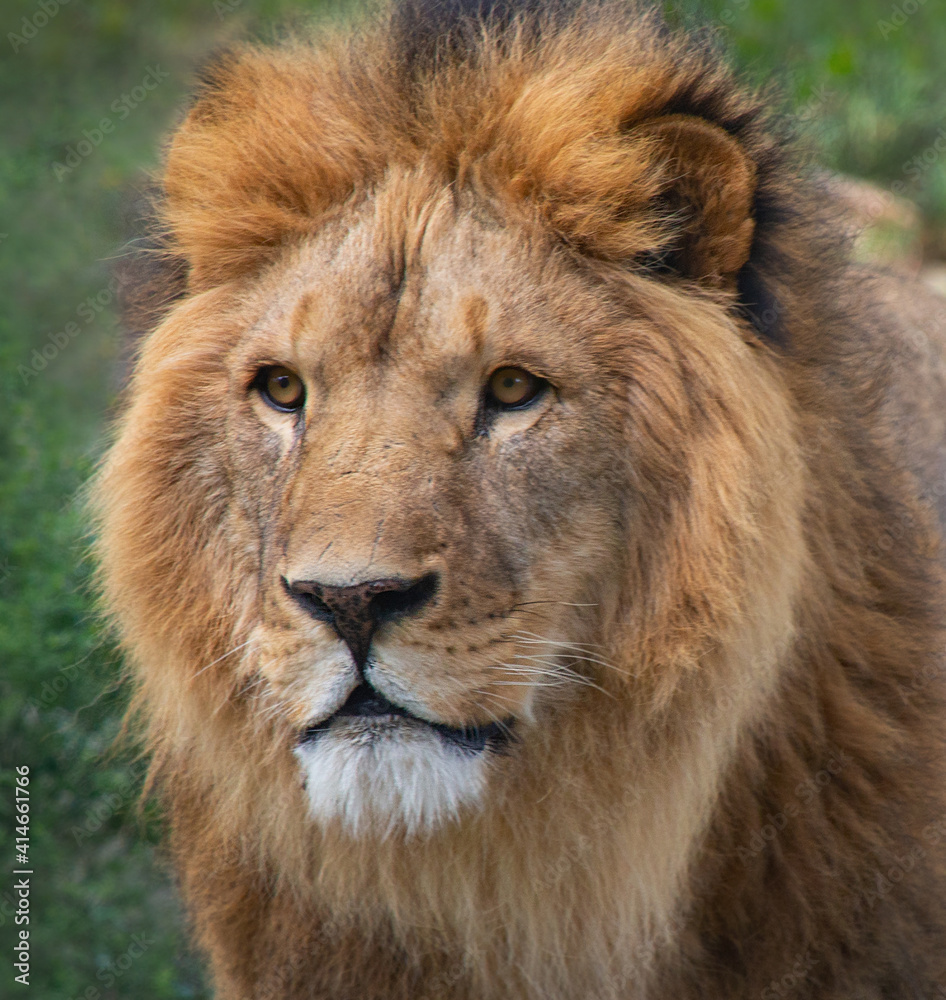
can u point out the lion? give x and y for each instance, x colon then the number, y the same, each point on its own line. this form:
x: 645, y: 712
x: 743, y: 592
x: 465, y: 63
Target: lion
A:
x: 524, y: 526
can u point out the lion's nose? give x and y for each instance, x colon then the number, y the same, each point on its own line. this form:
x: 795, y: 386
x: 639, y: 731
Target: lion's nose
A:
x: 357, y: 611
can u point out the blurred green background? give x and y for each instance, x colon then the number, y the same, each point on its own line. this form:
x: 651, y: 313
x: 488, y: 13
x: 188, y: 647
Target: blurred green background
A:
x: 865, y: 83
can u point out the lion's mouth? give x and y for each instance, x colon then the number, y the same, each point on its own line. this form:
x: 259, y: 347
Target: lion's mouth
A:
x: 367, y: 703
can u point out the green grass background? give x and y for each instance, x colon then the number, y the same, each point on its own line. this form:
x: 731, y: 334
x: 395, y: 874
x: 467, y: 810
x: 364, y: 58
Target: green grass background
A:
x: 105, y: 923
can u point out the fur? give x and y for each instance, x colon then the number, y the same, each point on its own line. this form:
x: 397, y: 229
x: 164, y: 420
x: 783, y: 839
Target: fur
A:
x: 407, y: 779
x: 700, y: 578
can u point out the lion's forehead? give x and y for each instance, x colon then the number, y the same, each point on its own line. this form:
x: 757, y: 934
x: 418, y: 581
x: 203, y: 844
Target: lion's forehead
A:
x: 432, y: 301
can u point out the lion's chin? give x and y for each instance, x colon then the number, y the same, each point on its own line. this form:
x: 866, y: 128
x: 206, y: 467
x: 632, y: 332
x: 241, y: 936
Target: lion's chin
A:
x: 379, y: 775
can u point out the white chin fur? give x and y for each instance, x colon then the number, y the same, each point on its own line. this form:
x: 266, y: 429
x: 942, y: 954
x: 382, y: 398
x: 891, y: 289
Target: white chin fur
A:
x: 378, y: 775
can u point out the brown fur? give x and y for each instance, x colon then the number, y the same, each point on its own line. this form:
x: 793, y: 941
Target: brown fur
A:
x: 728, y: 507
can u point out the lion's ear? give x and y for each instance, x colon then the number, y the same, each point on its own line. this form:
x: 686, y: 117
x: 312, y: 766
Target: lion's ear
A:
x: 710, y: 186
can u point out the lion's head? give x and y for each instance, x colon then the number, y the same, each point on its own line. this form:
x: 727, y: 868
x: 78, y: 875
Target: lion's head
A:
x: 459, y: 497
x: 432, y: 467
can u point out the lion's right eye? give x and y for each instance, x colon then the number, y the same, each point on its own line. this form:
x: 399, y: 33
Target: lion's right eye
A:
x: 281, y: 387
x: 513, y: 388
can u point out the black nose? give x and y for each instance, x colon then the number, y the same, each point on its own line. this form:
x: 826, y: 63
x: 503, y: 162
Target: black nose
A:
x: 356, y: 612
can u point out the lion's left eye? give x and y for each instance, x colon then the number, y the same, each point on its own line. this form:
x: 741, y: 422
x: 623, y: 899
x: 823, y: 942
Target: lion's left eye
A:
x: 509, y: 388
x: 281, y: 387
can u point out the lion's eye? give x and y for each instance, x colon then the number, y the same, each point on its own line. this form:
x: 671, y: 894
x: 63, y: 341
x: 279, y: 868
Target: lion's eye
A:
x: 281, y: 388
x: 509, y: 388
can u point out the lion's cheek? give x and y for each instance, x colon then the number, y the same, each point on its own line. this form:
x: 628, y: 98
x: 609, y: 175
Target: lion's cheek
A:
x: 457, y: 693
x: 306, y: 678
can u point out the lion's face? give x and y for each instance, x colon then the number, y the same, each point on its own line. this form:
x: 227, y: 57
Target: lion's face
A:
x: 435, y: 539
x: 430, y: 493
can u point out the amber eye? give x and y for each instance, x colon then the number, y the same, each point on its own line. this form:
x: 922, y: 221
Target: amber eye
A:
x: 511, y: 387
x: 281, y: 388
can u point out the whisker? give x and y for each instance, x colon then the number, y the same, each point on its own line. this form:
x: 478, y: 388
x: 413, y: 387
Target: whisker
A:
x: 219, y: 658
x: 555, y: 676
x: 565, y: 604
x: 534, y: 684
x: 535, y: 638
x: 256, y: 681
x: 552, y: 671
x: 578, y: 652
x: 572, y: 658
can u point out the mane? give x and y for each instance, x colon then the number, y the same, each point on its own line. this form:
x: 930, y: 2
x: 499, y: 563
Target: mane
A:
x: 538, y: 111
x: 508, y: 98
